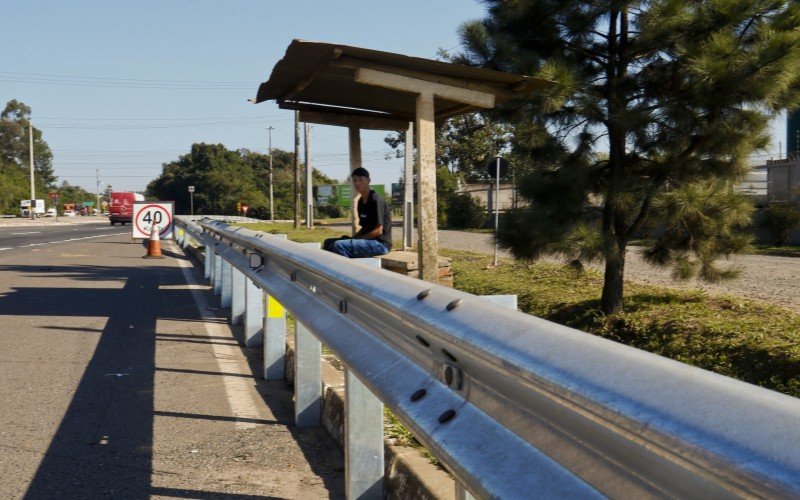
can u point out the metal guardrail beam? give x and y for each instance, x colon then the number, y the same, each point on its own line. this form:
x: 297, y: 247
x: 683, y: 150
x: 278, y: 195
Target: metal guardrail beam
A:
x: 518, y: 406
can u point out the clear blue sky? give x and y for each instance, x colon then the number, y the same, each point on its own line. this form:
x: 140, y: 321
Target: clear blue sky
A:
x: 124, y: 86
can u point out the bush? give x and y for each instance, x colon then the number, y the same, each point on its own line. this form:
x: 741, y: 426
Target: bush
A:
x: 464, y: 211
x: 779, y: 220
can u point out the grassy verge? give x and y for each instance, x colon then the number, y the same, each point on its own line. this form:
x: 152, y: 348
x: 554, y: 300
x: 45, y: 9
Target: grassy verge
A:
x: 784, y: 251
x: 749, y: 341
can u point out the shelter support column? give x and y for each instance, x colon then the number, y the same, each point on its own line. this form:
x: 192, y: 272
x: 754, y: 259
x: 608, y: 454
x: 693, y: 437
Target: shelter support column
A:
x: 354, y: 141
x: 426, y: 190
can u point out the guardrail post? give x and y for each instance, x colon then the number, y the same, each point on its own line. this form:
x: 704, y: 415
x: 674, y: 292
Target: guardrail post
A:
x: 253, y: 313
x: 307, y: 374
x: 217, y: 276
x: 509, y: 301
x: 274, y: 337
x: 209, y: 254
x: 237, y: 296
x: 227, y: 277
x: 363, y: 435
x: 274, y: 340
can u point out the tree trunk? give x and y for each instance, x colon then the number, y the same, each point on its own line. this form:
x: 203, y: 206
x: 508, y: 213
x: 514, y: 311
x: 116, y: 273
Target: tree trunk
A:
x: 611, y: 301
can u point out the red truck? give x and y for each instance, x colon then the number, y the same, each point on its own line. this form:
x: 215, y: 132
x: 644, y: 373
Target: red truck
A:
x: 120, y: 206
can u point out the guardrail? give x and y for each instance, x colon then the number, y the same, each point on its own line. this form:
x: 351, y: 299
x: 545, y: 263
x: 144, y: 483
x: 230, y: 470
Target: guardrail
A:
x: 514, y: 405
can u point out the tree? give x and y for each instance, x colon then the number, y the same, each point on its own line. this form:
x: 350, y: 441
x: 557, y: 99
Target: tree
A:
x: 678, y: 92
x: 223, y: 178
x: 779, y: 220
x: 15, y: 146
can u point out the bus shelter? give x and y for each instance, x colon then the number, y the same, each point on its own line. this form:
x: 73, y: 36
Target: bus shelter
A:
x: 359, y: 88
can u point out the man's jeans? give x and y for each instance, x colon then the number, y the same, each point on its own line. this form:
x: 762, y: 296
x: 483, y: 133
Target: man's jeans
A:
x: 356, y: 248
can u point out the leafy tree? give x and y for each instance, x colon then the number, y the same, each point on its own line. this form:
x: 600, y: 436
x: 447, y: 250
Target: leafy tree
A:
x: 677, y: 91
x: 779, y: 220
x: 223, y: 178
x: 464, y: 211
x: 15, y: 146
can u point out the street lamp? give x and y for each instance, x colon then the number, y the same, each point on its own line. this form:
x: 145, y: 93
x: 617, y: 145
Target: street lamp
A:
x: 191, y: 200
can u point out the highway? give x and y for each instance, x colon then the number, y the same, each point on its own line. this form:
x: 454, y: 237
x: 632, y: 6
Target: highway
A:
x: 119, y: 379
x: 22, y: 235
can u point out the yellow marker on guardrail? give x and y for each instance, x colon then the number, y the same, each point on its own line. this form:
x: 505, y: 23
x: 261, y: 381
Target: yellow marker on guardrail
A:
x: 274, y: 308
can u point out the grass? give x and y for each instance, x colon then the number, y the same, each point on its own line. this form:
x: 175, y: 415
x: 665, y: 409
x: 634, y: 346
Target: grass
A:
x: 784, y: 251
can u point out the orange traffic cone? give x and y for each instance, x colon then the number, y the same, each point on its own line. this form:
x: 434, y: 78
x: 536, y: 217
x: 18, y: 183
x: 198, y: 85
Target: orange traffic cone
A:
x: 154, y: 246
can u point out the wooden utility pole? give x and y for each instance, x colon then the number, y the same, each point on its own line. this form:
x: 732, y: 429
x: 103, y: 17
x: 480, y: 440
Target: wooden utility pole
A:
x: 309, y: 180
x: 271, y: 199
x: 33, y: 184
x: 296, y: 170
x: 408, y: 192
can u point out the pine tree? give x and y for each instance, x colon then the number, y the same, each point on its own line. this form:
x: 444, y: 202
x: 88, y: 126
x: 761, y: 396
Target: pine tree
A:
x: 678, y: 92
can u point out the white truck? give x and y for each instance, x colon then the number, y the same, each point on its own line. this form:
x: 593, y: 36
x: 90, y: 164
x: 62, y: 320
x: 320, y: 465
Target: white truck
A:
x: 25, y: 207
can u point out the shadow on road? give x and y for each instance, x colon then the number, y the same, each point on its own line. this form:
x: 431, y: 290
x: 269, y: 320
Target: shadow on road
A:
x: 103, y: 444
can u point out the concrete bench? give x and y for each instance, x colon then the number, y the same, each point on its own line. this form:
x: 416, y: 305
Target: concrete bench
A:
x: 408, y: 263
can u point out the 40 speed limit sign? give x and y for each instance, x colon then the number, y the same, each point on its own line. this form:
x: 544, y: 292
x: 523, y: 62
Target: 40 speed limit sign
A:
x: 147, y: 214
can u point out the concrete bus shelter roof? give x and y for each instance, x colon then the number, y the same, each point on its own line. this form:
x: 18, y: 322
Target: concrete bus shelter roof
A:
x: 335, y: 79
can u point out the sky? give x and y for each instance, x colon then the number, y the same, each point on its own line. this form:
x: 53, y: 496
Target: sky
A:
x: 119, y: 88
x: 122, y: 87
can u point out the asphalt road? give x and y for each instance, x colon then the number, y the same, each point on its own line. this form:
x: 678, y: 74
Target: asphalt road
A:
x: 120, y: 378
x: 20, y: 235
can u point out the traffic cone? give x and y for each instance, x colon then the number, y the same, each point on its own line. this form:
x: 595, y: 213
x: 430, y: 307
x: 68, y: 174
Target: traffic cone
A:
x: 154, y: 245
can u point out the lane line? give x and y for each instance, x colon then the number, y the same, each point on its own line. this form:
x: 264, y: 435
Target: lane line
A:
x: 29, y: 232
x: 63, y: 241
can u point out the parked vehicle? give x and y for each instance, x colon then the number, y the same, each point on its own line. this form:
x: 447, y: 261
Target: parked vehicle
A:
x: 51, y: 212
x: 120, y: 207
x: 69, y: 213
x: 25, y: 205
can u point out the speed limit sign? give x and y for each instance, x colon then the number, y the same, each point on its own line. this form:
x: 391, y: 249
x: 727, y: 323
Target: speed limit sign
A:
x: 149, y: 214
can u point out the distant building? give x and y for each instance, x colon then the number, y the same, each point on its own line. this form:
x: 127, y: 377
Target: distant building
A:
x: 485, y: 193
x: 783, y: 180
x: 755, y: 185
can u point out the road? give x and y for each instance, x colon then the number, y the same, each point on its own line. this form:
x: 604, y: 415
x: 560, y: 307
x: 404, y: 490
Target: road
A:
x: 20, y: 234
x: 119, y: 379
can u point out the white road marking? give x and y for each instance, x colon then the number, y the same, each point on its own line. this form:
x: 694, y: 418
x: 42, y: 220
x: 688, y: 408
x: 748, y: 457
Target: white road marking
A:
x: 29, y: 232
x: 63, y: 241
x: 229, y: 358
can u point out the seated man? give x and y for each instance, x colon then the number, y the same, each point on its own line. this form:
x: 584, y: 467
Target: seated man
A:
x: 374, y: 215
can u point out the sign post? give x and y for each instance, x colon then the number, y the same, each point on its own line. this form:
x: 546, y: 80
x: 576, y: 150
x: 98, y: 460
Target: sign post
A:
x: 191, y: 200
x: 496, y: 167
x: 149, y: 214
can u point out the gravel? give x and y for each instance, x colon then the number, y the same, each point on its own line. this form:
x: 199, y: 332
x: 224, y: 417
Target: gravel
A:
x: 770, y: 279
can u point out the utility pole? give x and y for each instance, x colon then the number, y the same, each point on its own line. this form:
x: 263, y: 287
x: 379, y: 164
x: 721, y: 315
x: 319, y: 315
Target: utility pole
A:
x: 271, y: 200
x: 408, y: 191
x: 98, y: 191
x: 33, y: 186
x: 296, y: 169
x: 309, y: 180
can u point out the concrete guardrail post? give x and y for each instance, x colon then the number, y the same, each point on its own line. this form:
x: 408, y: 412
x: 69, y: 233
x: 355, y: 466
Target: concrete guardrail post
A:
x: 363, y: 434
x: 307, y: 375
x: 274, y: 336
x: 237, y: 296
x: 227, y: 288
x: 253, y: 314
x: 217, y: 276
